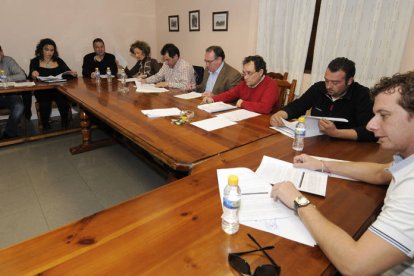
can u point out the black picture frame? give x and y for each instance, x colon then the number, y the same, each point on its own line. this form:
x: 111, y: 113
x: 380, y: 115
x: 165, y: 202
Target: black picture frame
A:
x: 194, y: 21
x: 220, y: 21
x: 173, y: 23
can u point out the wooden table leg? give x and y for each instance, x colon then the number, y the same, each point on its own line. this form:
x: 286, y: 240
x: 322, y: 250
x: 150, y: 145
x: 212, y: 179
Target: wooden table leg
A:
x: 87, y: 143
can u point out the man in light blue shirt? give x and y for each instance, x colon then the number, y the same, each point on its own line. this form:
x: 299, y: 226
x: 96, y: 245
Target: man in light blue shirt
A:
x: 218, y: 76
x: 11, y: 101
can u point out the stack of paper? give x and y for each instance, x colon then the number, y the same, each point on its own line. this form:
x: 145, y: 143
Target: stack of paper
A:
x: 188, y: 96
x: 216, y: 107
x: 149, y: 88
x: 213, y: 123
x: 238, y: 115
x: 162, y: 112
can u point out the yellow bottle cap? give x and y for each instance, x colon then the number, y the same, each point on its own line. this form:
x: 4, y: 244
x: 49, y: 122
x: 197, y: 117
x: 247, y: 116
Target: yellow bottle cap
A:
x: 301, y: 119
x: 233, y: 180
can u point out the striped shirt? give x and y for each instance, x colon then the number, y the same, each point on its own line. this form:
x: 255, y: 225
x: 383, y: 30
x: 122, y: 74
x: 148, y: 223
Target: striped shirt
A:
x: 181, y: 75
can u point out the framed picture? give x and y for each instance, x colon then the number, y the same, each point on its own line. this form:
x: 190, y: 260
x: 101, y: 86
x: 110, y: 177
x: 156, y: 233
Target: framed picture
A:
x: 194, y: 20
x: 220, y: 21
x: 173, y: 23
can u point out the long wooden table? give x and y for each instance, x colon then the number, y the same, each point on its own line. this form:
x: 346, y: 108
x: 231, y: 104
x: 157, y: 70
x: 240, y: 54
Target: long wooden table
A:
x: 178, y: 147
x: 175, y: 230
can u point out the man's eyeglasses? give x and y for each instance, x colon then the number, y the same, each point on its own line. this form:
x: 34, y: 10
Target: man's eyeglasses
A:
x: 243, y: 267
x: 209, y: 61
x: 248, y: 74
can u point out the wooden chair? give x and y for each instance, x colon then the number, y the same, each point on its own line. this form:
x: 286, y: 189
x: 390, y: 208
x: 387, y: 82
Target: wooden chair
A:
x: 278, y: 76
x: 287, y: 91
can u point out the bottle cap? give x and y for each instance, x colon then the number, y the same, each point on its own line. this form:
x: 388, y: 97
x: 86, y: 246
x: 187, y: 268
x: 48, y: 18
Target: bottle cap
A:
x: 301, y: 119
x: 233, y: 180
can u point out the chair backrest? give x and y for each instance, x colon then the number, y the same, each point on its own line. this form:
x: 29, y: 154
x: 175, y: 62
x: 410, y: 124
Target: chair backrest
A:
x: 278, y: 76
x: 198, y: 72
x: 287, y: 91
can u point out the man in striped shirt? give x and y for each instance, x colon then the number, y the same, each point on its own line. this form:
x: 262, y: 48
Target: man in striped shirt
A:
x: 175, y: 72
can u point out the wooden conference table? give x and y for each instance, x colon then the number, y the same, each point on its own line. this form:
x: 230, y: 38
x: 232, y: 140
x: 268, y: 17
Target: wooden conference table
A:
x: 175, y: 230
x: 178, y: 147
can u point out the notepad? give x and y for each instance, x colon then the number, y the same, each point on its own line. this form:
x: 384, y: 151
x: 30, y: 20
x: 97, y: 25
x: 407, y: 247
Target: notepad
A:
x: 190, y: 95
x: 162, y: 112
x: 238, y: 115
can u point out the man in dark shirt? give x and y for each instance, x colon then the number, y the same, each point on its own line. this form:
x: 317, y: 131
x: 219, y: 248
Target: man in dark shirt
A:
x: 338, y: 96
x: 98, y: 59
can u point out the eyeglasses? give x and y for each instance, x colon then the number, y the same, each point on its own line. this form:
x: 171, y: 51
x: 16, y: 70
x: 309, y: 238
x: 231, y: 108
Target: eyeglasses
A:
x: 243, y: 267
x: 248, y: 74
x: 209, y: 61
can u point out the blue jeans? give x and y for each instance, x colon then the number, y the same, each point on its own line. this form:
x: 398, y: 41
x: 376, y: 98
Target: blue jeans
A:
x: 15, y: 104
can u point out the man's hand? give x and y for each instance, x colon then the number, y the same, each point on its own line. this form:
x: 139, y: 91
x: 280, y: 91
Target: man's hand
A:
x: 161, y: 84
x: 207, y: 100
x: 276, y: 119
x: 327, y: 127
x: 239, y: 103
x: 286, y: 192
x: 207, y: 94
x: 306, y: 162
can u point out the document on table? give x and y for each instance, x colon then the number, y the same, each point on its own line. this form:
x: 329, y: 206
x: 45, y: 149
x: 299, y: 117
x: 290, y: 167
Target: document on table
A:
x: 275, y: 170
x: 149, y: 88
x: 190, y: 95
x: 216, y: 107
x: 260, y: 211
x: 238, y: 115
x: 129, y: 80
x: 162, y: 112
x: 213, y: 123
x: 311, y: 123
x: 21, y: 84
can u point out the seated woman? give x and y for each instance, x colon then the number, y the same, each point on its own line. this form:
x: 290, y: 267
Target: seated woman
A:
x: 47, y: 63
x: 145, y: 66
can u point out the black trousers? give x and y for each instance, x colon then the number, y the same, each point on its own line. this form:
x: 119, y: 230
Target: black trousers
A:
x: 45, y: 98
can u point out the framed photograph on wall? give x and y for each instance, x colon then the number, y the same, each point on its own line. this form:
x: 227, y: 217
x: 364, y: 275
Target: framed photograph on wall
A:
x: 220, y: 21
x: 173, y: 23
x: 194, y: 20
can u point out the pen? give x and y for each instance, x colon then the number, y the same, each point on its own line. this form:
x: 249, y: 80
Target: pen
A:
x: 301, y: 180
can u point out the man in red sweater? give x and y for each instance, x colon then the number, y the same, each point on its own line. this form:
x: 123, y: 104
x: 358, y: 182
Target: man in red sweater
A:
x: 257, y: 92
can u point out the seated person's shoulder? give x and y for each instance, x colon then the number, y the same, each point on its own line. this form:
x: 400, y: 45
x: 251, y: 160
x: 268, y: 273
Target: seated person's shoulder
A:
x: 89, y: 56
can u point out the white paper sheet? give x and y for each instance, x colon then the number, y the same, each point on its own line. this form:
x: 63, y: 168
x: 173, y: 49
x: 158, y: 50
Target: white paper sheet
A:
x: 161, y: 112
x: 333, y: 174
x: 216, y: 107
x: 24, y: 84
x: 275, y: 170
x: 149, y: 88
x: 120, y: 58
x: 258, y: 210
x: 190, y: 95
x: 213, y: 123
x: 239, y: 115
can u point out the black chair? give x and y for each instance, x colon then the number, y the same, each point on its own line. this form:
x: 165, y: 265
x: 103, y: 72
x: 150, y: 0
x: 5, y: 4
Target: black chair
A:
x: 198, y: 73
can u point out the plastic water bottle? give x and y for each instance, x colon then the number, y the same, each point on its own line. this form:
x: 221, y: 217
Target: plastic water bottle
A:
x: 300, y: 130
x: 231, y: 206
x: 97, y: 75
x: 3, y: 79
x: 123, y: 76
x: 108, y: 74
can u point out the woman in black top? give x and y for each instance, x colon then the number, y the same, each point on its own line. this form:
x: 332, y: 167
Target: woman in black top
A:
x: 47, y: 63
x: 145, y: 66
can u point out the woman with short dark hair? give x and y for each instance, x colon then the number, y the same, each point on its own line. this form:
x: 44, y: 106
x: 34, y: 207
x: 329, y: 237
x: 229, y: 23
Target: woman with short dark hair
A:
x: 145, y: 66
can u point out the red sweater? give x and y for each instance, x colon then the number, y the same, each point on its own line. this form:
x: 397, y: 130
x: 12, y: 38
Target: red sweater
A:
x: 262, y: 99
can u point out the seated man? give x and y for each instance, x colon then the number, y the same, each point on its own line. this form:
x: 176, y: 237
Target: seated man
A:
x: 339, y: 96
x: 175, y: 72
x: 98, y: 59
x: 219, y: 76
x: 388, y: 244
x: 12, y: 101
x: 257, y: 92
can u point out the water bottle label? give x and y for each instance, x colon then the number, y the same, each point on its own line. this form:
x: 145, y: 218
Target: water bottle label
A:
x: 300, y: 131
x: 231, y: 204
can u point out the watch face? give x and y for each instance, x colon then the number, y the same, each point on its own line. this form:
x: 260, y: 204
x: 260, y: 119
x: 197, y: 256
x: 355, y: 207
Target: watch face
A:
x: 301, y: 200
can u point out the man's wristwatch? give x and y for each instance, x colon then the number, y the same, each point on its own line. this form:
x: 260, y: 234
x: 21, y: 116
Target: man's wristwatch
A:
x: 299, y: 202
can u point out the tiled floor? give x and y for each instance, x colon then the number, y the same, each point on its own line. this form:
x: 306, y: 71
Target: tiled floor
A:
x: 43, y: 186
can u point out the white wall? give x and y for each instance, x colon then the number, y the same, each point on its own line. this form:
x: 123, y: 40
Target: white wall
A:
x: 238, y: 42
x: 73, y: 25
